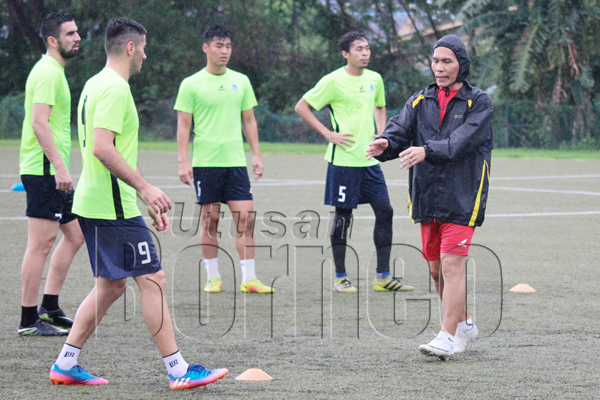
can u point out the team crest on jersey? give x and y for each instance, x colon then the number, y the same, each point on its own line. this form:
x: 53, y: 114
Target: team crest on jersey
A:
x: 234, y: 87
x: 372, y: 87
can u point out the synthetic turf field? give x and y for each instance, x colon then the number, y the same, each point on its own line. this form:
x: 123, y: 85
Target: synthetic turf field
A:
x: 542, y: 223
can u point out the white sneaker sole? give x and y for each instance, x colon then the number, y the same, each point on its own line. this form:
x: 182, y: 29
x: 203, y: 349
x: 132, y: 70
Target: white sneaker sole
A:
x: 427, y: 350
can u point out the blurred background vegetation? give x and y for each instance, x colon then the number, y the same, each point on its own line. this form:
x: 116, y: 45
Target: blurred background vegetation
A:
x: 538, y: 59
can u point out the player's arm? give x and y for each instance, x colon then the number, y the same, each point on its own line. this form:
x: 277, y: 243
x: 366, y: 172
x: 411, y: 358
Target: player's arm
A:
x: 304, y: 110
x: 184, y: 125
x: 251, y: 132
x: 104, y: 149
x: 380, y: 119
x: 43, y: 133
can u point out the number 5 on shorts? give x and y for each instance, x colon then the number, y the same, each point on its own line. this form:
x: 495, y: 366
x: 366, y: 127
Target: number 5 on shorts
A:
x: 342, y: 194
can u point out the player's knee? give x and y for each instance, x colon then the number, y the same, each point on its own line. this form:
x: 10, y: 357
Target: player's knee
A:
x: 247, y: 224
x: 116, y: 289
x: 160, y: 279
x: 210, y: 223
x: 383, y: 212
x: 43, y: 244
x: 435, y: 273
x: 341, y: 224
x: 75, y: 239
x: 452, y: 269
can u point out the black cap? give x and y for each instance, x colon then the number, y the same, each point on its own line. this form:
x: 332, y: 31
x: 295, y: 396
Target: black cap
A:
x: 454, y: 43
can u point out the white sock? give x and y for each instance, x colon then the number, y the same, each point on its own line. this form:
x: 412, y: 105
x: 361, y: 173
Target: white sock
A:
x: 248, y: 270
x: 67, y: 358
x: 176, y: 365
x: 466, y: 325
x: 447, y: 337
x: 212, y: 268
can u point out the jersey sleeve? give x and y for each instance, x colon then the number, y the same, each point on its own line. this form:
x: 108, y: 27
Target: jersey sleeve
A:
x: 379, y: 92
x: 111, y: 107
x: 249, y: 99
x: 47, y: 87
x: 185, y: 98
x: 321, y: 95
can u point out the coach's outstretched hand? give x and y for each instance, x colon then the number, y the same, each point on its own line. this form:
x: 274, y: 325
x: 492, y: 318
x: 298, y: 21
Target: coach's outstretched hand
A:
x: 376, y: 148
x: 257, y: 167
x: 186, y: 173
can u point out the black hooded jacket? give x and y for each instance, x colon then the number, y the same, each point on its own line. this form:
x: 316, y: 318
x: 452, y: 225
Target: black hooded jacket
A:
x: 451, y: 185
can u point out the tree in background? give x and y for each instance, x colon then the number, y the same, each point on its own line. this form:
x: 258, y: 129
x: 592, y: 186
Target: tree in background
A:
x: 545, y: 50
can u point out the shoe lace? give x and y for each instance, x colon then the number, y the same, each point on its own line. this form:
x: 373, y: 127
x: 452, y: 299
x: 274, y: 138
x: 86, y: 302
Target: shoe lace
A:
x: 199, y: 369
x: 345, y: 283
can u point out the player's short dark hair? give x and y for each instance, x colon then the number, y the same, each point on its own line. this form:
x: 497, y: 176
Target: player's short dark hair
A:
x: 348, y: 38
x: 51, y: 25
x: 121, y: 31
x: 216, y: 31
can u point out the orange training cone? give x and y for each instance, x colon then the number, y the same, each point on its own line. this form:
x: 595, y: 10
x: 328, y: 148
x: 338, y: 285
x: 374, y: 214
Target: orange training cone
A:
x: 254, y: 374
x: 523, y: 288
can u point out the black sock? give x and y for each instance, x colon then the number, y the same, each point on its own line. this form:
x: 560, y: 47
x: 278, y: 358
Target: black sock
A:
x: 50, y: 302
x: 339, y: 236
x: 29, y: 315
x: 382, y: 235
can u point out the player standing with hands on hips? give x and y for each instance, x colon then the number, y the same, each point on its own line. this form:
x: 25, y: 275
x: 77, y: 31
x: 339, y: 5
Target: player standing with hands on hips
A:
x: 355, y: 97
x: 444, y: 137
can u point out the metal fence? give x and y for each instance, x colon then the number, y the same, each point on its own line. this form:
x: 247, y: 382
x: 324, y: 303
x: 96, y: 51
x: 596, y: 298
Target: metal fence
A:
x: 516, y: 124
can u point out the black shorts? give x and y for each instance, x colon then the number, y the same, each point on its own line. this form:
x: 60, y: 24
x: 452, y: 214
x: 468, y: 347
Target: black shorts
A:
x: 119, y: 248
x: 221, y: 184
x: 347, y: 187
x: 45, y: 201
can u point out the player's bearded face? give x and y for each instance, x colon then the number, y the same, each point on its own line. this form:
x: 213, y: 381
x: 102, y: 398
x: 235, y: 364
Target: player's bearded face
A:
x: 68, y: 40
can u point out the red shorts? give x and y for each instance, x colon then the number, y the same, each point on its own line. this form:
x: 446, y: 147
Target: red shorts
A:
x: 445, y: 237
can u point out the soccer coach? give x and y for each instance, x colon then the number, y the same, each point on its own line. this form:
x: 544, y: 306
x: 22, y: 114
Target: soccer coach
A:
x: 444, y: 137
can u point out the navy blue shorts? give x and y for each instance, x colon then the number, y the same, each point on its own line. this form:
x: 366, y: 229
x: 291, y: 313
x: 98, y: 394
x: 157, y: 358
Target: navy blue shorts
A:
x: 221, y: 184
x: 347, y: 187
x: 45, y: 201
x: 119, y: 248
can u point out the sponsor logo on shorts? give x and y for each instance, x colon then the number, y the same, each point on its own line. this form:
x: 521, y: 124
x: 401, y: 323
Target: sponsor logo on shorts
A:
x: 58, y: 215
x: 463, y: 243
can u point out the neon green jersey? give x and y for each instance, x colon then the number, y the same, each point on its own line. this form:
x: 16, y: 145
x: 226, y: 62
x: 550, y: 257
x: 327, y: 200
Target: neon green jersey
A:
x: 216, y: 103
x: 351, y: 101
x: 106, y: 102
x: 46, y: 84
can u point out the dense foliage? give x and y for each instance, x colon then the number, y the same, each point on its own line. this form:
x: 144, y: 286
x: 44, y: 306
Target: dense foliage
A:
x: 541, y: 53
